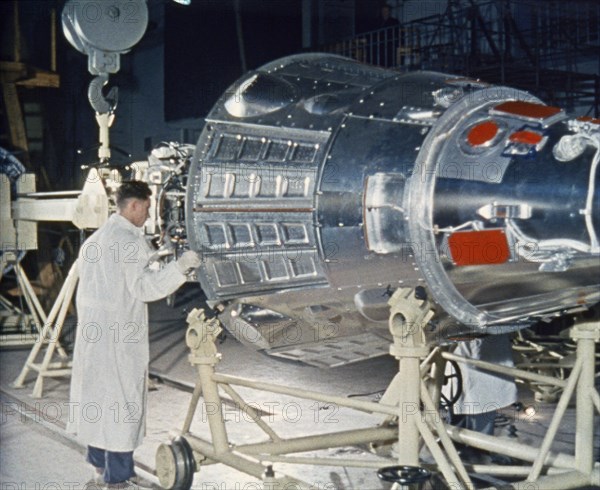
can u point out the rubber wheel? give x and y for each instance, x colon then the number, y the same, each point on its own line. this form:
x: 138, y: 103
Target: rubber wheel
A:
x: 175, y: 465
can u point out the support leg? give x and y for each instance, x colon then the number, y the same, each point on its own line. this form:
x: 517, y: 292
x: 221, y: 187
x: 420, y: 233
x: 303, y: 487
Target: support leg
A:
x: 49, y: 331
x: 409, y: 347
x: 586, y: 335
x: 200, y: 338
x: 53, y: 342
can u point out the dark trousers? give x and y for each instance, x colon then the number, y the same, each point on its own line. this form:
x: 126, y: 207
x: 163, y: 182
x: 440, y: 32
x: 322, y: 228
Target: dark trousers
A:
x: 480, y: 422
x: 117, y: 466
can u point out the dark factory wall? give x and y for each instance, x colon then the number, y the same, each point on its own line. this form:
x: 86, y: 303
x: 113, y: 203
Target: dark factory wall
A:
x: 202, y: 55
x: 190, y: 54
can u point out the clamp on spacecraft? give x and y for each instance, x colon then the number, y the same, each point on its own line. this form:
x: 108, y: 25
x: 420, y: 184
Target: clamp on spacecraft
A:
x: 344, y: 199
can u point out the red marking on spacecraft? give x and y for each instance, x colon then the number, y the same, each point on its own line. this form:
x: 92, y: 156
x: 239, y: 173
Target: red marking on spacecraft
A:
x: 527, y: 137
x: 529, y: 110
x: 479, y: 247
x: 482, y: 133
x: 589, y: 119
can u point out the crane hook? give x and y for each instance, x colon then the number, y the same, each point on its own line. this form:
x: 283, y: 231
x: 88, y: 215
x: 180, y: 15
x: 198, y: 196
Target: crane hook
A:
x: 101, y: 103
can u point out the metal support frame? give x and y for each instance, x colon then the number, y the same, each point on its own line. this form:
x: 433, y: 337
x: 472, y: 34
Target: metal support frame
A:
x: 412, y: 415
x: 49, y: 335
x: 21, y: 321
x: 86, y: 209
x: 577, y: 470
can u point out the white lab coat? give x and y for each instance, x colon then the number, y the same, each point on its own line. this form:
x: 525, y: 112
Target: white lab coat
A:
x: 110, y: 360
x: 484, y: 391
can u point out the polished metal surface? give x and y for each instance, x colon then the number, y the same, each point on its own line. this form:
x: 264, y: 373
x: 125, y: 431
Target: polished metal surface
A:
x: 320, y: 185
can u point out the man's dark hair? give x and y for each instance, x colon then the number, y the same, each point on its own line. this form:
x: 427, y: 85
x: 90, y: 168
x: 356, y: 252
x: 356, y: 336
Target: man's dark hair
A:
x: 132, y: 189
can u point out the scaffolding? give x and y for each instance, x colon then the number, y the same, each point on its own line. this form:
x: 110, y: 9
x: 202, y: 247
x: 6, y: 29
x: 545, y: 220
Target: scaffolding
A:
x: 549, y: 48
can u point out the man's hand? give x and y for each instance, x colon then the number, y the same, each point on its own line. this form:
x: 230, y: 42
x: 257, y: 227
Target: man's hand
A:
x: 189, y: 260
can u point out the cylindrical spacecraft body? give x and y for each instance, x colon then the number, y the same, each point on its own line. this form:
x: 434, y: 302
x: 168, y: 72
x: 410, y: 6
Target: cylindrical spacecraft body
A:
x: 320, y: 185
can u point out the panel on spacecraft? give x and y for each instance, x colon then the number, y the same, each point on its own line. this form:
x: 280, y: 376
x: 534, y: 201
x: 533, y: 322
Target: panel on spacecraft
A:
x: 254, y: 208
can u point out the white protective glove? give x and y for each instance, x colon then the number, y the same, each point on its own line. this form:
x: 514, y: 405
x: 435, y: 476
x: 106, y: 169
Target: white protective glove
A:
x: 189, y: 260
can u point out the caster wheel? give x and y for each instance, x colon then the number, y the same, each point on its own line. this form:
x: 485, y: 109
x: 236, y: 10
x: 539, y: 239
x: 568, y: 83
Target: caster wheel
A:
x: 175, y: 465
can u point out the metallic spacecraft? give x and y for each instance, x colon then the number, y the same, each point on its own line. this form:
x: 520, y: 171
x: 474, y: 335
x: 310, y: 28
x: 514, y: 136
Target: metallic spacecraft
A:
x: 319, y: 189
x: 320, y: 185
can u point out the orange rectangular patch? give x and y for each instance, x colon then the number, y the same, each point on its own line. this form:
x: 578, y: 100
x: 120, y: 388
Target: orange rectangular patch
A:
x: 529, y: 110
x: 479, y: 247
x: 588, y: 119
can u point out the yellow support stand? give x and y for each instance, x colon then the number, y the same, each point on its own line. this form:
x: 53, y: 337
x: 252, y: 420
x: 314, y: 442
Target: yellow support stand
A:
x: 49, y: 335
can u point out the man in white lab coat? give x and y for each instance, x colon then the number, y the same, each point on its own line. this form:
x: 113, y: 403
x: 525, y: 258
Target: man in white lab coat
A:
x: 110, y: 360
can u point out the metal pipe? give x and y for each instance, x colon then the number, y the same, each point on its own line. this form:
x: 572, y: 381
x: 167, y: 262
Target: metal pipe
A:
x: 409, y: 412
x: 517, y: 373
x: 321, y: 441
x: 250, y: 411
x: 561, y: 407
x: 434, y: 420
x: 427, y: 361
x: 50, y: 194
x: 501, y: 470
x: 438, y: 454
x: 584, y: 421
x: 437, y: 374
x: 369, y: 407
x: 312, y: 461
x: 230, y: 459
x: 507, y: 447
x: 570, y: 479
x: 192, y: 408
x: 214, y: 408
x: 595, y: 398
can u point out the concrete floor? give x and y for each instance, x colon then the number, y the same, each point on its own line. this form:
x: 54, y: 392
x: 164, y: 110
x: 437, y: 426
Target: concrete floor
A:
x: 37, y: 454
